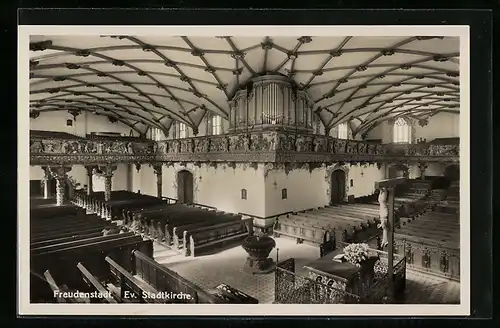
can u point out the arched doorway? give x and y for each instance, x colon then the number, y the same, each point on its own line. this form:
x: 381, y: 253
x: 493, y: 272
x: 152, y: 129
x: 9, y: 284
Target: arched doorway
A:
x: 185, y: 187
x: 52, y: 186
x: 68, y: 189
x: 338, y: 187
x: 398, y: 171
x: 452, y: 173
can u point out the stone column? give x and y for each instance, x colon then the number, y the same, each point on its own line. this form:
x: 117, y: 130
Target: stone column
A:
x: 157, y: 167
x: 60, y: 190
x: 60, y: 174
x: 422, y: 166
x: 46, y: 190
x: 107, y: 173
x: 90, y: 186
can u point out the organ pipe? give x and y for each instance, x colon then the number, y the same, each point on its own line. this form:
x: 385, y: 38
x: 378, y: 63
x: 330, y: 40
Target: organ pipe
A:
x: 271, y: 100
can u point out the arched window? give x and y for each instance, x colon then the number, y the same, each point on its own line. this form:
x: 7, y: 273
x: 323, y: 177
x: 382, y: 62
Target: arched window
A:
x: 157, y: 134
x: 343, y: 131
x: 216, y: 125
x: 284, y: 194
x: 182, y: 130
x: 401, y: 131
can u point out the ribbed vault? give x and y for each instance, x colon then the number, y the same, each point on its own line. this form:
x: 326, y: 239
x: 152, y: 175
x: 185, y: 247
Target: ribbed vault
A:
x: 153, y: 81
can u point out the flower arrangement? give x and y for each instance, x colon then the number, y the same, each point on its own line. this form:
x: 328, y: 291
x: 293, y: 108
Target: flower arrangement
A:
x: 356, y: 253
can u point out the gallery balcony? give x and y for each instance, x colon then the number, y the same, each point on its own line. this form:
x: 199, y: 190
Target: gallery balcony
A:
x: 255, y: 147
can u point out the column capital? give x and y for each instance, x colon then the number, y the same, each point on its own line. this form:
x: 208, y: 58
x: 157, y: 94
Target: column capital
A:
x: 157, y: 167
x: 90, y: 169
x: 107, y: 170
x: 58, y: 172
x: 423, y: 165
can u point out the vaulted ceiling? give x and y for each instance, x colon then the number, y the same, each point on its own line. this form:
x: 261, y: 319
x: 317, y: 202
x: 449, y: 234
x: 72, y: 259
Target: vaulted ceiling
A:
x: 152, y: 80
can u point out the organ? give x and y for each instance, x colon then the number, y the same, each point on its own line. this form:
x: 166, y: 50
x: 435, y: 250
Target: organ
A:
x: 271, y: 102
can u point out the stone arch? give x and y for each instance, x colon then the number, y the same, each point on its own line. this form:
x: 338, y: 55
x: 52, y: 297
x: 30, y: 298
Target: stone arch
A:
x: 69, y: 187
x: 328, y: 180
x: 398, y: 170
x: 452, y: 172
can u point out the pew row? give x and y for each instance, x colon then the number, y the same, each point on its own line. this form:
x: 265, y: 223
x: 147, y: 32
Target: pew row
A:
x: 431, y: 242
x: 205, y: 239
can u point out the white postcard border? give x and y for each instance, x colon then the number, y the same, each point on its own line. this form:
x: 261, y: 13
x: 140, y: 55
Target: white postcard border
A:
x: 24, y: 306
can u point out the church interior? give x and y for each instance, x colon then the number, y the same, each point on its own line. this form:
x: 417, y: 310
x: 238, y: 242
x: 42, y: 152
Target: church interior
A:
x: 244, y: 170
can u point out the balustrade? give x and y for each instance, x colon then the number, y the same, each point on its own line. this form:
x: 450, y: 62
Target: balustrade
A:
x: 257, y: 146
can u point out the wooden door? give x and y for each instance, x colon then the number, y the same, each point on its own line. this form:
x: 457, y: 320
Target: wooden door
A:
x: 338, y: 187
x: 185, y: 187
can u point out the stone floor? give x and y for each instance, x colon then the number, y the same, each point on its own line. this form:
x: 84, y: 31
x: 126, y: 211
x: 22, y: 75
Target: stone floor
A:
x: 227, y: 267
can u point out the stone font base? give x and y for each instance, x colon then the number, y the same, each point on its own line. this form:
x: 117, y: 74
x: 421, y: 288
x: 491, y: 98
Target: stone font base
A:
x: 259, y: 266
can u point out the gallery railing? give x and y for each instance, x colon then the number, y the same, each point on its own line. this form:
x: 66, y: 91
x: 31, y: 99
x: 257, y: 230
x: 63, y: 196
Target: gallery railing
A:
x: 260, y: 147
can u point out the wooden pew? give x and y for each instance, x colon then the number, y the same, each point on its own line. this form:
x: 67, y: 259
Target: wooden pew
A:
x: 64, y: 222
x: 140, y: 208
x: 144, y: 221
x: 431, y: 243
x: 302, y: 232
x: 356, y: 208
x: 206, y: 238
x: 144, y: 215
x: 199, y: 216
x: 96, y: 232
x: 179, y: 228
x: 344, y: 228
x: 116, y: 207
x: 159, y: 224
x: 356, y: 215
x: 63, y: 259
x: 428, y: 222
x: 441, y: 258
x: 55, y: 235
x: 131, y: 290
x: 112, y: 209
x: 56, y: 290
x: 50, y: 211
x: 93, y: 282
x: 131, y: 211
x: 353, y: 219
x: 45, y: 235
x: 431, y: 233
x: 59, y: 292
x: 74, y: 243
x: 164, y: 279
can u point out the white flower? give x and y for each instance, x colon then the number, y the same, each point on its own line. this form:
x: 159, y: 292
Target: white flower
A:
x: 356, y: 253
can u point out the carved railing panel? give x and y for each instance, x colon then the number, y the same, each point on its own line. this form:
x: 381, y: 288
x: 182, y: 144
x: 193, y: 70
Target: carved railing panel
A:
x: 430, y: 256
x: 86, y: 151
x: 262, y: 146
